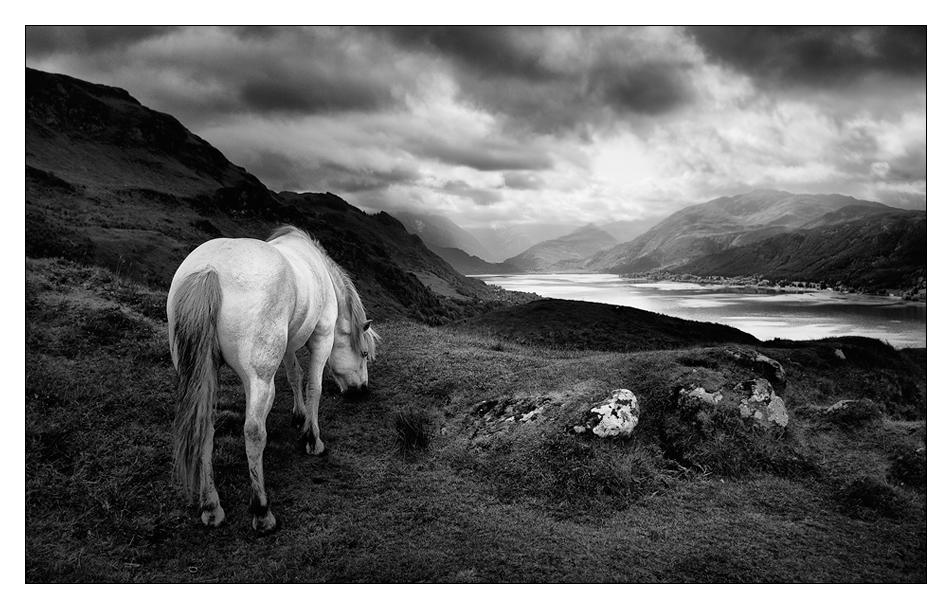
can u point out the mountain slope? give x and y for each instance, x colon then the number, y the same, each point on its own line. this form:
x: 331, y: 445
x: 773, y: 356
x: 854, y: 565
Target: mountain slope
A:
x: 708, y: 228
x: 112, y: 183
x: 472, y: 265
x: 503, y: 241
x: 871, y: 253
x: 439, y: 231
x: 565, y: 253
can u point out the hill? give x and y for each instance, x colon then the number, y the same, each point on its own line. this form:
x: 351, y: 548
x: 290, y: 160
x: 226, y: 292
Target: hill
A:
x: 472, y: 265
x: 699, y: 231
x: 565, y: 253
x: 870, y: 253
x: 112, y: 183
x: 571, y: 324
x: 440, y: 232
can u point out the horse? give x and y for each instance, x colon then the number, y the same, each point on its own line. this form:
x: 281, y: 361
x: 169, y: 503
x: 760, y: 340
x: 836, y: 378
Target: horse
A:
x: 252, y: 304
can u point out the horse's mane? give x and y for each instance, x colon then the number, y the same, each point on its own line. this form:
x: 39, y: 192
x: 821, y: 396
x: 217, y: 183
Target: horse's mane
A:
x: 347, y: 293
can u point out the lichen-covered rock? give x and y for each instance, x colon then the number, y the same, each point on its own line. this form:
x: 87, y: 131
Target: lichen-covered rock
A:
x: 762, y: 404
x: 761, y: 364
x: 701, y: 394
x: 616, y: 416
x: 852, y: 412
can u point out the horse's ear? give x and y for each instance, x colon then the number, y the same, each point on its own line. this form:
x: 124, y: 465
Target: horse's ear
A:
x: 367, y: 325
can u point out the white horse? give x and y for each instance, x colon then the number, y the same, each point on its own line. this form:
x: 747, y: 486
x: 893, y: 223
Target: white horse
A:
x: 252, y: 304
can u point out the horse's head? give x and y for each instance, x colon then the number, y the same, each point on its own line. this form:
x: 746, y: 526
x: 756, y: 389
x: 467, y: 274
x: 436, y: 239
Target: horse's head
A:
x: 353, y: 348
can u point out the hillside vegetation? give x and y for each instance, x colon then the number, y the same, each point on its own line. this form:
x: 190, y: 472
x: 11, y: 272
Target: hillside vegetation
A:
x: 157, y: 191
x: 429, y: 481
x: 878, y: 252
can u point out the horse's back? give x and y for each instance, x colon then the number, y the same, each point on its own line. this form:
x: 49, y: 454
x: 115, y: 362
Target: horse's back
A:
x: 258, y: 299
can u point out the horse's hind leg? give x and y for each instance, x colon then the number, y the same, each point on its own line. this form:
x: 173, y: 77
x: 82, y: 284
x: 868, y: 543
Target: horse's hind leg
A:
x: 260, y: 397
x: 293, y: 370
x: 212, y: 513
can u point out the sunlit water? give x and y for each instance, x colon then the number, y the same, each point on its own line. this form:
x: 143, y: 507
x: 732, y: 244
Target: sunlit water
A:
x: 766, y: 315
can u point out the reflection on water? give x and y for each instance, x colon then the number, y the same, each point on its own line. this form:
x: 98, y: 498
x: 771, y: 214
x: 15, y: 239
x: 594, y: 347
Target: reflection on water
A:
x: 766, y: 315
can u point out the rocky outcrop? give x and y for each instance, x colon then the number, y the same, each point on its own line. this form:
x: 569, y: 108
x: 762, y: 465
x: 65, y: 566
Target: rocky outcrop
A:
x: 762, y: 404
x: 614, y: 417
x: 761, y: 364
x: 499, y: 414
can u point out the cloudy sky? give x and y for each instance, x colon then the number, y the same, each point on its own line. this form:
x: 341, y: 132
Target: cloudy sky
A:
x: 532, y: 125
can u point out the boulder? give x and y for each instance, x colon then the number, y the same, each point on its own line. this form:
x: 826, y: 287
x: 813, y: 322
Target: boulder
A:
x: 852, y: 412
x: 761, y: 364
x: 762, y: 404
x: 614, y: 417
x: 701, y: 394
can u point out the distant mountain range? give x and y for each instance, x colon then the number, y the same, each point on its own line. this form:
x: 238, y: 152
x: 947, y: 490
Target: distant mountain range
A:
x: 568, y: 252
x: 441, y: 232
x: 855, y: 247
x: 473, y: 265
x: 783, y: 236
x: 503, y: 241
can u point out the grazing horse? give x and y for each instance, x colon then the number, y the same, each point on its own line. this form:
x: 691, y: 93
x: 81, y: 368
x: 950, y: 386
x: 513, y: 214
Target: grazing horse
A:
x: 252, y: 304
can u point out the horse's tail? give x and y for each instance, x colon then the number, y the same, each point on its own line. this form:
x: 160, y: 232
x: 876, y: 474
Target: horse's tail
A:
x: 197, y: 356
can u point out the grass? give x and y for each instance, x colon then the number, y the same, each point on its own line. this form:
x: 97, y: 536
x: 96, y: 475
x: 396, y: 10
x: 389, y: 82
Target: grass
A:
x: 427, y: 481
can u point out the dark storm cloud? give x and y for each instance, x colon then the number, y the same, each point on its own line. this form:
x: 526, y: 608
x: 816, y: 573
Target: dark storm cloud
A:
x: 526, y: 76
x: 347, y: 179
x: 488, y: 51
x: 523, y: 180
x: 816, y: 54
x: 483, y: 156
x: 285, y: 172
x: 479, y: 196
x: 295, y: 91
x: 651, y: 88
x: 44, y: 40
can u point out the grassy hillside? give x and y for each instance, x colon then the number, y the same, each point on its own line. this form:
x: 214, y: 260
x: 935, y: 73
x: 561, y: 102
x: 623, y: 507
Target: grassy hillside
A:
x: 587, y: 325
x: 429, y: 481
x: 112, y: 183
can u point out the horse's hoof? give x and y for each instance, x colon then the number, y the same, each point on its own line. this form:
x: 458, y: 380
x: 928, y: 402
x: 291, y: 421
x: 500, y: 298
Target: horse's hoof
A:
x: 316, y: 449
x: 213, y: 518
x: 265, y: 525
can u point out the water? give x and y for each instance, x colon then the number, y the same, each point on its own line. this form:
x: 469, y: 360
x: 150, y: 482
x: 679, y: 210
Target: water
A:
x: 766, y: 315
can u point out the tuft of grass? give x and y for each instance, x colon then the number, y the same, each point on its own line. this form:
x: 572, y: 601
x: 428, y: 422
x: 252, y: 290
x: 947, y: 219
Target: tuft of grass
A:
x: 908, y: 466
x: 413, y: 427
x: 866, y: 498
